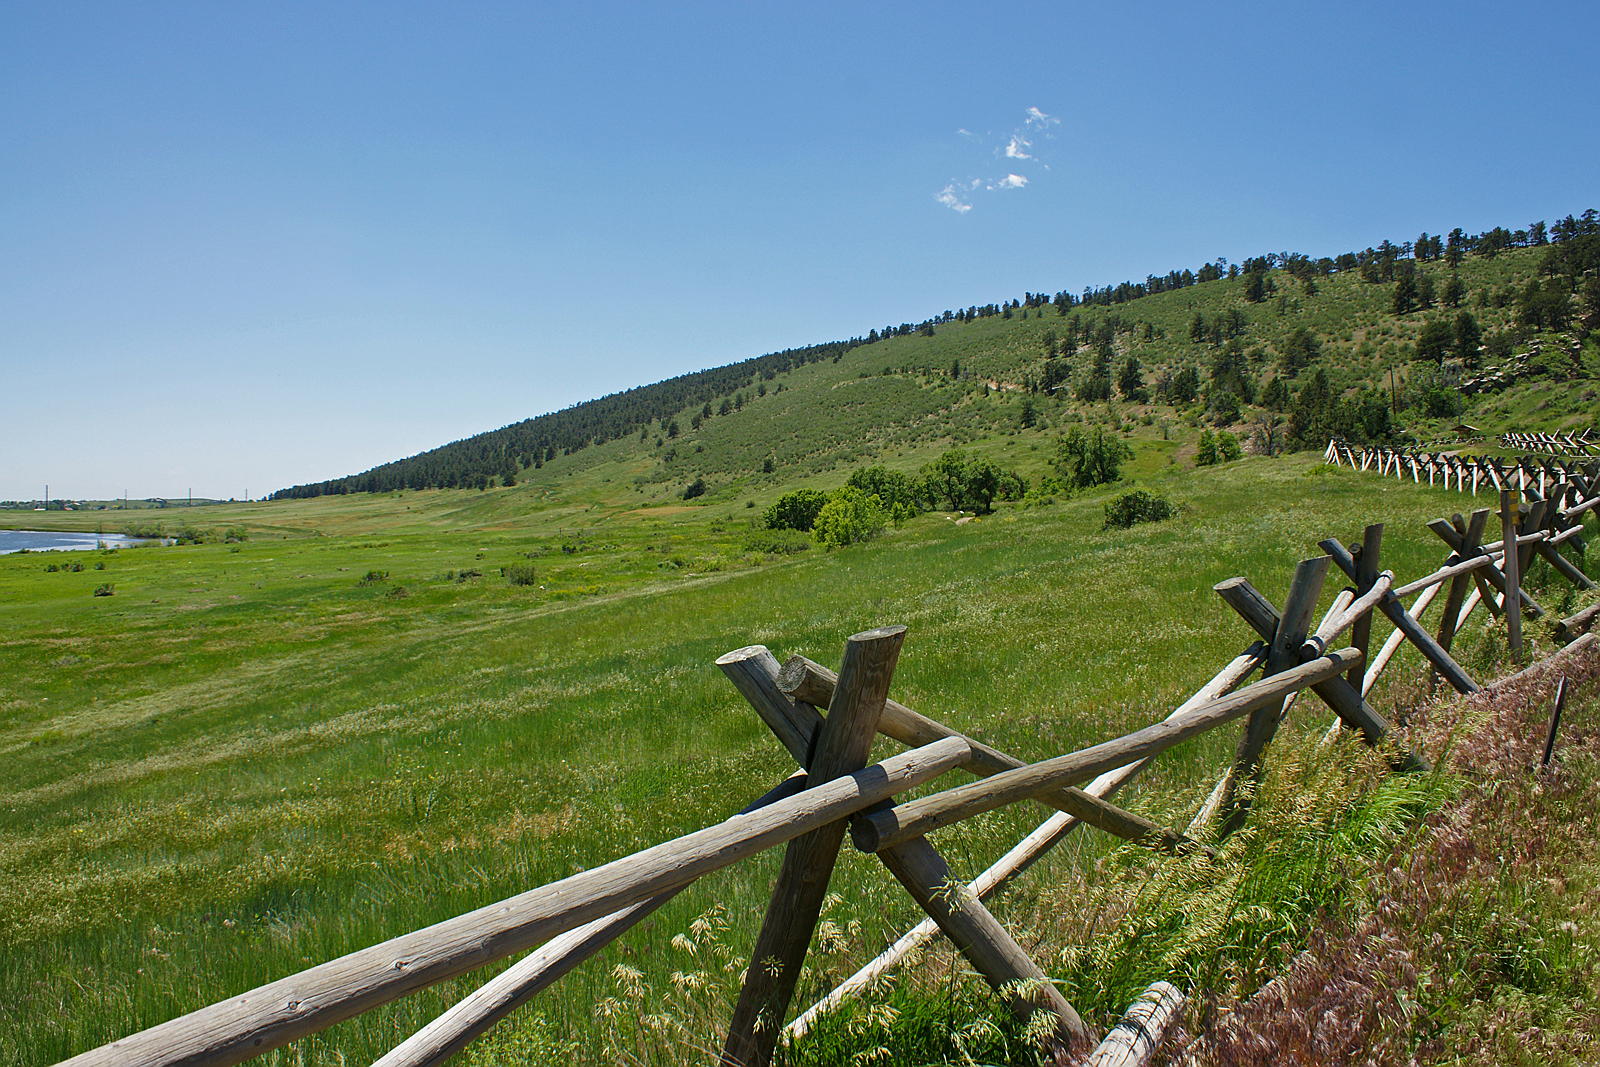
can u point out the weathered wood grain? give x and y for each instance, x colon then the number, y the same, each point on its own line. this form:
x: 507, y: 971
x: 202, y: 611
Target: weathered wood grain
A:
x: 1346, y: 701
x: 1570, y: 627
x: 1395, y: 611
x: 1488, y: 571
x: 1366, y: 576
x: 953, y: 908
x: 842, y: 746
x: 923, y: 816
x: 978, y: 935
x: 811, y: 683
x: 1026, y: 852
x: 1135, y: 1040
x: 1288, y: 639
x: 1511, y: 567
x: 475, y: 1014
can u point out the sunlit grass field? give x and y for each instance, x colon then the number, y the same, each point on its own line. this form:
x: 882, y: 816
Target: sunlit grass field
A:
x: 258, y: 756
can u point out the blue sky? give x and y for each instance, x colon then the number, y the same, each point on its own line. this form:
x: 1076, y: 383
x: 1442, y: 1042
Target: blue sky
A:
x: 254, y: 245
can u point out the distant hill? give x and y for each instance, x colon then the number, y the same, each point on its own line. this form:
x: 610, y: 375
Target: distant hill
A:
x: 1386, y: 344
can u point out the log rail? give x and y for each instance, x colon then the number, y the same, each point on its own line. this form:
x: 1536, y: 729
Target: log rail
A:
x: 827, y: 723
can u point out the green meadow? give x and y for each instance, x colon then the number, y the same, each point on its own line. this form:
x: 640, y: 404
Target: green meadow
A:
x: 256, y: 756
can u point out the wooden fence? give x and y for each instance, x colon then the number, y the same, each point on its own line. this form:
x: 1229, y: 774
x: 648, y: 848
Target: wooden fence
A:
x: 827, y: 722
x: 1555, y: 444
x: 1568, y: 481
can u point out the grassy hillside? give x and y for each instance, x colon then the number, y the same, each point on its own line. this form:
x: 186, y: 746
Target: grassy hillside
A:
x: 811, y: 410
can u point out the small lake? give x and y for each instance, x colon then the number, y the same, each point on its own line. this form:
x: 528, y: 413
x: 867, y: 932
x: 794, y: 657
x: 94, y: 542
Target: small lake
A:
x: 63, y: 541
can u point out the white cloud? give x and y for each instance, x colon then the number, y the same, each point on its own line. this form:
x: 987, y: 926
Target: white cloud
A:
x: 1021, y: 145
x: 950, y: 197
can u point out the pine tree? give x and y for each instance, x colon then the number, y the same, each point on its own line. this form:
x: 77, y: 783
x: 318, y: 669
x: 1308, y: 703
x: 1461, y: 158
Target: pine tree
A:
x: 1467, y: 338
x: 1405, y: 295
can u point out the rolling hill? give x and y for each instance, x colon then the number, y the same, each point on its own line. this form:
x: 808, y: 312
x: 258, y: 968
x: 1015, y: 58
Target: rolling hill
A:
x: 1043, y: 361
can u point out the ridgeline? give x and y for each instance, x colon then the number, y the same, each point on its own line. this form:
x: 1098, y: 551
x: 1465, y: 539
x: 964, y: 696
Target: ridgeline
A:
x: 1387, y: 345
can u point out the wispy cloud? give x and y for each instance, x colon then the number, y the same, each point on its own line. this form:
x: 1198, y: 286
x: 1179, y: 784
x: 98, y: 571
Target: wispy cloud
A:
x: 1019, y: 144
x: 950, y: 197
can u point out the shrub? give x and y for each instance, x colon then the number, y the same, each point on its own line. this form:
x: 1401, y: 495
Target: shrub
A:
x: 1087, y: 459
x: 897, y: 491
x: 1136, y: 506
x: 694, y: 489
x: 520, y: 574
x: 969, y: 483
x: 1219, y: 447
x: 104, y: 589
x: 373, y: 577
x: 777, y: 542
x: 795, y: 511
x: 850, y: 516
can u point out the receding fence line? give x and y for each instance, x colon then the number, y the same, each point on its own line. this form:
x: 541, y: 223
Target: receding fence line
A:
x: 1570, y: 481
x: 1556, y: 444
x: 834, y: 790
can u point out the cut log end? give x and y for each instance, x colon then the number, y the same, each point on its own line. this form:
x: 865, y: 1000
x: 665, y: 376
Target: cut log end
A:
x: 740, y: 655
x: 876, y: 634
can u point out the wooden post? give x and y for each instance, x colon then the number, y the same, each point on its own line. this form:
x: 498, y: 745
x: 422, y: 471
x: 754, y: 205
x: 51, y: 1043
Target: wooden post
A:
x: 1367, y: 573
x: 1494, y: 576
x: 885, y: 828
x: 982, y: 940
x: 1512, y: 568
x: 842, y: 747
x: 513, y: 987
x: 1134, y: 1041
x: 1563, y: 566
x: 1026, y: 852
x: 1338, y: 694
x: 1568, y: 629
x: 1287, y: 638
x: 1555, y: 722
x: 955, y: 909
x: 1471, y: 532
x: 1391, y: 606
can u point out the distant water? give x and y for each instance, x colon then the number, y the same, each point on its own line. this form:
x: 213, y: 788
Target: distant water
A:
x: 62, y: 541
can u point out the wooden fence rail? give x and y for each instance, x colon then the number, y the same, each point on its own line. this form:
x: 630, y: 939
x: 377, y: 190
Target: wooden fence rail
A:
x: 1568, y: 481
x: 827, y: 723
x: 1555, y: 444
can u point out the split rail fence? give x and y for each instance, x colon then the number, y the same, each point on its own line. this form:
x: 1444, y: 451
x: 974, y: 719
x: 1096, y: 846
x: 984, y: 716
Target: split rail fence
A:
x: 827, y: 722
x: 1568, y: 481
x: 1555, y: 444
